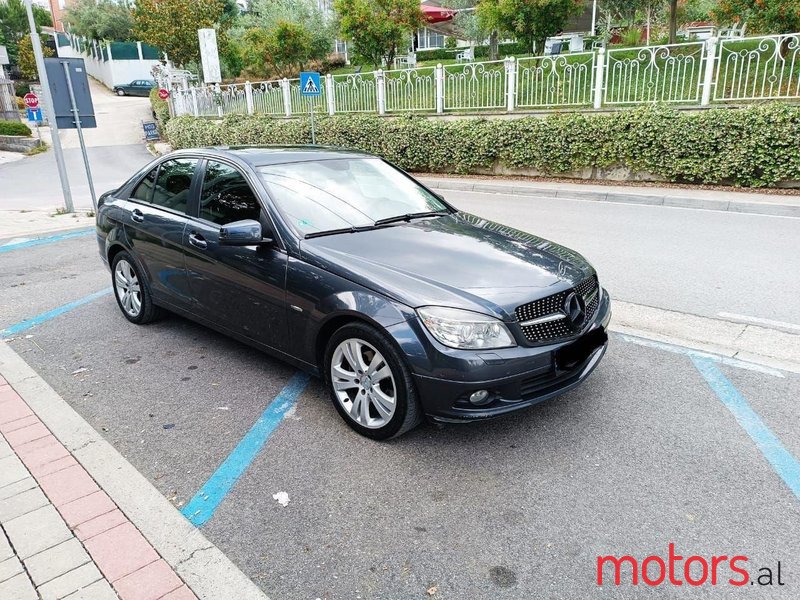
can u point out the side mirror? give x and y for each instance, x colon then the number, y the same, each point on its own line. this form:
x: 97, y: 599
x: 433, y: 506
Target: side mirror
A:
x: 242, y: 233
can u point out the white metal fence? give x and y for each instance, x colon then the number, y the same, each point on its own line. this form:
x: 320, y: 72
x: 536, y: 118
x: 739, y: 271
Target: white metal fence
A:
x: 689, y: 73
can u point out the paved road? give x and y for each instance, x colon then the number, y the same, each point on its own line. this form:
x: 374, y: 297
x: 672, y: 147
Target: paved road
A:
x: 33, y: 184
x: 115, y: 151
x: 694, y: 261
x: 644, y: 454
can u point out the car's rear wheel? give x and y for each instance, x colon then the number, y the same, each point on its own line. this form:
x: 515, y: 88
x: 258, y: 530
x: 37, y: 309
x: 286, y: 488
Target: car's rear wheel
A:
x: 120, y: 92
x: 132, y: 291
x: 369, y: 382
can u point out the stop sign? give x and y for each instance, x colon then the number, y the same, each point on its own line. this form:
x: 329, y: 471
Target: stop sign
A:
x: 31, y: 100
x: 163, y: 94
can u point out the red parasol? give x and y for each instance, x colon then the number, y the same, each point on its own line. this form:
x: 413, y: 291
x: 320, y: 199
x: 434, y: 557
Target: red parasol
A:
x: 437, y: 14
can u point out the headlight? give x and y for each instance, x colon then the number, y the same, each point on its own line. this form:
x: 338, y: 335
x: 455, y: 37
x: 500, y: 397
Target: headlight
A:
x: 465, y: 329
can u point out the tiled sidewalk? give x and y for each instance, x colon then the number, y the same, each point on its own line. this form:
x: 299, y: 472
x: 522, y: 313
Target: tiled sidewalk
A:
x: 61, y: 536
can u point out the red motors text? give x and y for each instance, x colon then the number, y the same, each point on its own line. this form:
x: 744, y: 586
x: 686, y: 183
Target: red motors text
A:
x: 679, y: 570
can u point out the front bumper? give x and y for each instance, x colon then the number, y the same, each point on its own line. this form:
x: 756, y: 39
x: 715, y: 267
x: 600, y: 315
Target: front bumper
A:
x: 516, y: 378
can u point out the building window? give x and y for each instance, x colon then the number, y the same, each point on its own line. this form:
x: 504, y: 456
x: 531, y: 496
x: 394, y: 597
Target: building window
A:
x: 427, y: 39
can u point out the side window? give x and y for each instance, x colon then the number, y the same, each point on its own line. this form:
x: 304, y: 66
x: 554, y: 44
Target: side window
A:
x: 144, y: 191
x: 226, y: 196
x: 173, y: 183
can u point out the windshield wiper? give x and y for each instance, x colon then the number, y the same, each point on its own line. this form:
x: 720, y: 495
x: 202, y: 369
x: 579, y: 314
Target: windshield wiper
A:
x: 408, y: 217
x: 352, y: 229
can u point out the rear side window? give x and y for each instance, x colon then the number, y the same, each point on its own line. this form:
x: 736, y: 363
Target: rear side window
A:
x: 226, y: 196
x: 144, y: 191
x: 173, y: 183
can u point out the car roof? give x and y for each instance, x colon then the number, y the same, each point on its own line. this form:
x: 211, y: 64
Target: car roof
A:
x: 259, y: 156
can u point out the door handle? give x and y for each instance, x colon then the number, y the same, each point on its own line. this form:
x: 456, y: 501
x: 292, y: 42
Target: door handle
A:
x: 197, y: 240
x: 137, y: 215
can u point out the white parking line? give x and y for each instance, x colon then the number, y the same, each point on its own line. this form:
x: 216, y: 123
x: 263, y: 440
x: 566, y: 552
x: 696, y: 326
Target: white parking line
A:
x: 758, y: 321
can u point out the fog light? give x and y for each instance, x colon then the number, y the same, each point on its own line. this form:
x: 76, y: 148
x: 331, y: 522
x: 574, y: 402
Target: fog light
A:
x: 479, y: 397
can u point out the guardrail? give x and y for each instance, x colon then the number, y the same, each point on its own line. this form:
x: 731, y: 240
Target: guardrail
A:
x: 689, y: 73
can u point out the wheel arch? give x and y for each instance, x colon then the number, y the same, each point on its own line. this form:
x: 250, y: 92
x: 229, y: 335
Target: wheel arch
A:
x: 331, y: 325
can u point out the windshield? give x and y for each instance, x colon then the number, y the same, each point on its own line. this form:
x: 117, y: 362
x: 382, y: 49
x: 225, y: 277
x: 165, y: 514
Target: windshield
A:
x: 328, y: 195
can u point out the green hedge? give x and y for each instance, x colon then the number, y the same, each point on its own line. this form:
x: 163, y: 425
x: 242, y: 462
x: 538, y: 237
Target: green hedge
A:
x: 756, y: 146
x: 14, y: 128
x: 160, y: 110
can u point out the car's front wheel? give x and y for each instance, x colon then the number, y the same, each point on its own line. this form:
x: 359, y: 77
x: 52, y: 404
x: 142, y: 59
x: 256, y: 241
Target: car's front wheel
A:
x: 369, y: 382
x: 120, y: 92
x: 132, y: 291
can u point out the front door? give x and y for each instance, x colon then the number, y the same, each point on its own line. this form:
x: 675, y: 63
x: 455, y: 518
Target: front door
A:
x: 242, y: 288
x: 156, y: 220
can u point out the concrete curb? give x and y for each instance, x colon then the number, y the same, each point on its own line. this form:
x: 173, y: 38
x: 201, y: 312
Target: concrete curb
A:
x: 205, y: 569
x: 597, y: 194
x: 764, y: 346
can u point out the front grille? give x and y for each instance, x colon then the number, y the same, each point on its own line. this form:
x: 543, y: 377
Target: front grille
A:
x: 554, y: 305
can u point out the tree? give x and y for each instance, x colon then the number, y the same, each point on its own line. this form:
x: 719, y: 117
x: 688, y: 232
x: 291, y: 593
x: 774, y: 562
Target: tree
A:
x: 27, y: 60
x: 281, y: 51
x: 100, y: 20
x: 14, y: 24
x: 530, y: 21
x: 762, y: 16
x: 268, y: 14
x: 171, y: 25
x: 673, y: 21
x: 377, y: 28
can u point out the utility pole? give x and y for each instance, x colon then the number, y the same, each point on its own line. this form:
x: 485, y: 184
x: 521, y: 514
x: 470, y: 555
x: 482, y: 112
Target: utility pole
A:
x: 50, y: 110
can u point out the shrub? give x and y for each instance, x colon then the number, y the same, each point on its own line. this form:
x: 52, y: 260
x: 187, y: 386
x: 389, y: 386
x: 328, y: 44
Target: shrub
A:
x: 755, y: 146
x: 160, y: 110
x: 14, y: 128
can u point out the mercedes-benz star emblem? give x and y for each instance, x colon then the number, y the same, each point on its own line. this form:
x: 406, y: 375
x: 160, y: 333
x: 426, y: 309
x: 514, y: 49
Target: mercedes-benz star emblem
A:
x: 575, y: 309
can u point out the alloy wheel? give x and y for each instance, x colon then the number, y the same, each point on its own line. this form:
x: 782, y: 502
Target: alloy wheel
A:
x: 129, y: 292
x: 363, y: 383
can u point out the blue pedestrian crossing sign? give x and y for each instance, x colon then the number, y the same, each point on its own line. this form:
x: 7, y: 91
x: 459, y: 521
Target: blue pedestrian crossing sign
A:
x: 309, y: 84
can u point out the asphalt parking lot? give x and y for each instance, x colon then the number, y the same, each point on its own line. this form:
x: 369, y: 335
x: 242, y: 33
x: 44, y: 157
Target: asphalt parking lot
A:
x: 657, y: 447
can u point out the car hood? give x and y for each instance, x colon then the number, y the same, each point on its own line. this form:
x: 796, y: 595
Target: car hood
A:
x: 459, y: 260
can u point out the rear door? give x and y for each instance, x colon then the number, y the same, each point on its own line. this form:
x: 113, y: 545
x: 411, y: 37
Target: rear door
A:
x: 156, y: 221
x: 242, y: 288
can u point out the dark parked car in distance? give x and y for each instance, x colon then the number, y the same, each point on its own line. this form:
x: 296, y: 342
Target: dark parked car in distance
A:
x: 347, y: 267
x: 137, y: 87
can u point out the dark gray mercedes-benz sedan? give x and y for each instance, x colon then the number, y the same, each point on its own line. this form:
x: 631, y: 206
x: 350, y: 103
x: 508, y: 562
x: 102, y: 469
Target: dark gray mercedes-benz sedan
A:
x: 347, y: 267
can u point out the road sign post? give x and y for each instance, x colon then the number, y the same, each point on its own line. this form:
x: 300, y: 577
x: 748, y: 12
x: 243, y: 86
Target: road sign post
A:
x: 77, y: 120
x: 310, y: 88
x: 51, y: 115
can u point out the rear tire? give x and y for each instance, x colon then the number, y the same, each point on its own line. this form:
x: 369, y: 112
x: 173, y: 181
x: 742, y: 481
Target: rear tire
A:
x: 132, y: 290
x: 375, y: 396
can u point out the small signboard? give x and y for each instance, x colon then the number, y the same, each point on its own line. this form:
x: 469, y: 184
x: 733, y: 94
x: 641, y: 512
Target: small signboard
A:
x: 310, y: 84
x: 209, y: 56
x: 34, y: 115
x: 151, y: 131
x: 163, y: 94
x: 31, y: 100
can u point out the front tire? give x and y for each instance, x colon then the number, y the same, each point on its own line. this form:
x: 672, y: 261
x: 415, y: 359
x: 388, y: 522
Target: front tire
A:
x: 120, y: 92
x: 369, y: 382
x: 132, y: 290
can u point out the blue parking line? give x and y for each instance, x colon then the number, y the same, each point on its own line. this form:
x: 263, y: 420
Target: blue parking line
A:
x: 785, y: 465
x: 47, y: 240
x: 201, y: 508
x: 50, y: 314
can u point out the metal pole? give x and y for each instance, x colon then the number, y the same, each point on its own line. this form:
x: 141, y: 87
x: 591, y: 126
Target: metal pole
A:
x: 313, y: 133
x: 594, y: 16
x: 51, y: 113
x: 77, y: 117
